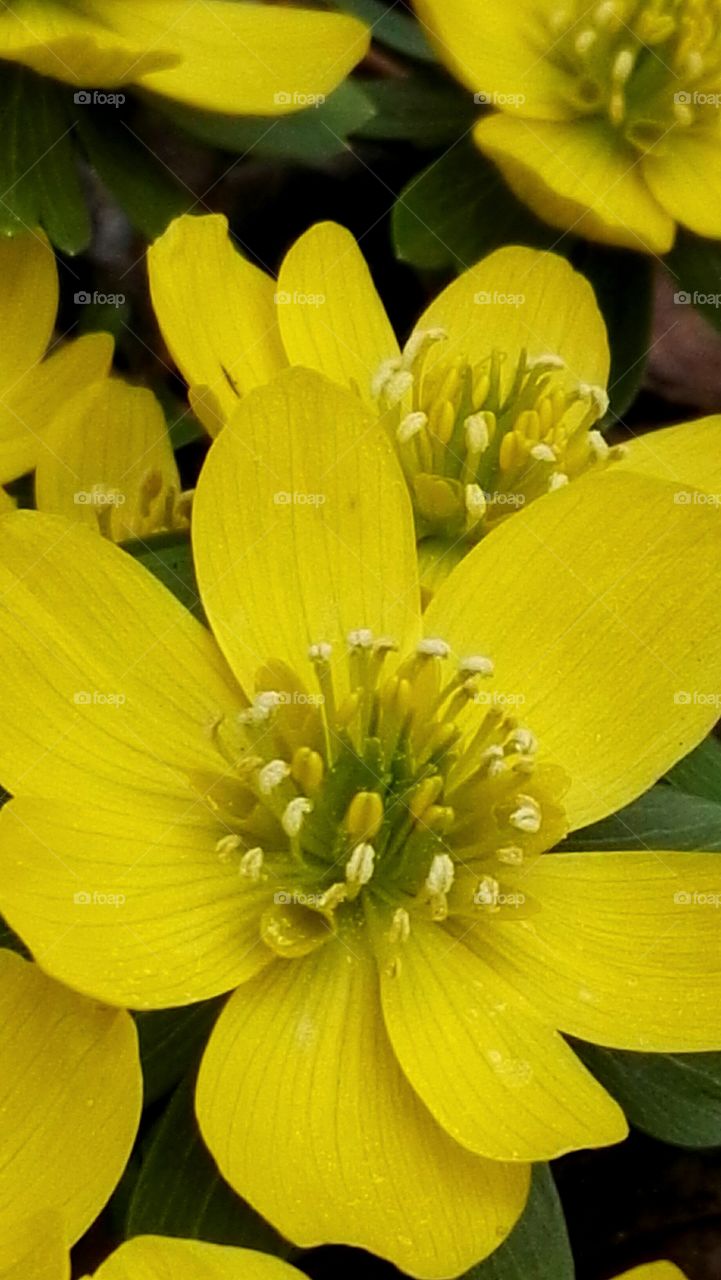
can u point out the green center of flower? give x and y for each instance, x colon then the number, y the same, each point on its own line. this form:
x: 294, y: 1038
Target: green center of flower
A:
x: 648, y: 66
x: 477, y: 442
x: 415, y: 793
x: 158, y: 508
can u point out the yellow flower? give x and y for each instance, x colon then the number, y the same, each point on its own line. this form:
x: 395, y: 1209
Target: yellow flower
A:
x: 495, y: 399
x: 36, y: 378
x: 249, y: 59
x: 337, y: 810
x: 608, y: 122
x: 39, y: 1253
x: 70, y: 1097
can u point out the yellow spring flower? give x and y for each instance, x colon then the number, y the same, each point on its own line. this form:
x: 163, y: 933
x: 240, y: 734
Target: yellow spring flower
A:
x: 495, y: 399
x: 608, y: 122
x: 242, y: 59
x: 37, y: 378
x: 341, y: 812
x: 70, y: 1097
x: 99, y: 447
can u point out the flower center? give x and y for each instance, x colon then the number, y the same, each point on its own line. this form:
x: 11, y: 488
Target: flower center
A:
x: 648, y: 66
x: 477, y: 442
x: 415, y: 793
x: 160, y: 509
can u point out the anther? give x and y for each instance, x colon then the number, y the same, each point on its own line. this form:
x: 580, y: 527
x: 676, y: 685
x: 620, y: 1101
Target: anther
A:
x: 477, y: 430
x: 320, y: 652
x: 511, y: 855
x: 476, y: 665
x: 441, y: 874
x: 558, y: 480
x: 400, y: 930
x: 360, y: 865
x: 364, y: 816
x: 543, y: 453
x: 431, y: 647
x: 410, y: 426
x: 251, y: 864
x: 227, y: 846
x: 475, y: 503
x: 271, y: 776
x: 527, y: 817
x: 294, y: 814
x: 360, y: 639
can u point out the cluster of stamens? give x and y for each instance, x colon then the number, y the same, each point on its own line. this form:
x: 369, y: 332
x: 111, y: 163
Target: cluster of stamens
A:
x: 648, y: 66
x: 161, y: 508
x: 479, y: 442
x: 397, y: 793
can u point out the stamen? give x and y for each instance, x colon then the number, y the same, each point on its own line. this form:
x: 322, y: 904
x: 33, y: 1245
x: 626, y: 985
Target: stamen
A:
x: 433, y: 648
x: 294, y: 814
x: 359, y: 867
x: 441, y: 875
x: 410, y: 426
x: 226, y: 846
x: 527, y: 817
x: 271, y: 776
x: 400, y: 930
x: 251, y: 864
x: 476, y: 665
x: 361, y: 639
x: 364, y: 816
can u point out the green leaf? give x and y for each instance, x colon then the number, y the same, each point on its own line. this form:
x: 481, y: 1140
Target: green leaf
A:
x: 623, y: 283
x: 170, y: 1042
x: 310, y: 136
x: 39, y: 178
x: 663, y: 818
x: 143, y: 186
x: 696, y: 265
x: 425, y: 110
x: 699, y: 773
x: 458, y: 210
x: 538, y: 1247
x: 393, y: 25
x: 675, y: 1097
x: 179, y: 1191
x: 169, y: 556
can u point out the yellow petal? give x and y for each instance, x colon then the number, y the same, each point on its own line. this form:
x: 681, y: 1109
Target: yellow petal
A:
x: 159, y: 1258
x: 575, y: 177
x: 244, y: 59
x: 35, y: 1249
x: 108, y: 684
x: 654, y: 1271
x: 310, y: 1119
x: 27, y: 411
x: 500, y: 1080
x: 129, y: 900
x: 600, y: 608
x: 624, y: 949
x: 70, y: 1091
x: 685, y: 178
x: 106, y: 451
x: 6, y: 502
x: 519, y: 299
x: 494, y: 51
x: 330, y: 315
x: 688, y: 454
x: 28, y: 303
x: 216, y: 312
x: 77, y: 44
x: 302, y: 528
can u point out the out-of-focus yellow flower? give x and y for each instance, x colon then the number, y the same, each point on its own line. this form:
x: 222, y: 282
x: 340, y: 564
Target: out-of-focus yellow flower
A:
x: 37, y: 380
x: 244, y: 59
x: 107, y: 461
x: 70, y: 1098
x: 609, y: 122
x: 654, y: 1271
x: 494, y: 400
x: 329, y: 803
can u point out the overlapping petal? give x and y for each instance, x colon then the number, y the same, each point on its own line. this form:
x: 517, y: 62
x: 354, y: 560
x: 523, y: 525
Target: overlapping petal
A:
x: 330, y: 315
x: 217, y: 314
x: 689, y: 455
x: 325, y: 544
x: 109, y: 685
x: 70, y: 1090
x: 159, y: 1258
x: 299, y: 1063
x: 605, y: 629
